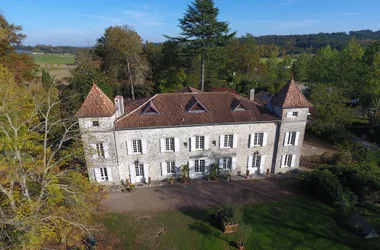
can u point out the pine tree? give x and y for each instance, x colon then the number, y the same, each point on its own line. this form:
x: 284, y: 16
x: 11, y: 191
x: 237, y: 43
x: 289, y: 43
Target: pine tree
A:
x: 201, y: 30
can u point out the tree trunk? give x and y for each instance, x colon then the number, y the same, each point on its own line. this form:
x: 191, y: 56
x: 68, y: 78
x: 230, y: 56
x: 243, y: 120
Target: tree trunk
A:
x: 202, y: 72
x: 131, y: 82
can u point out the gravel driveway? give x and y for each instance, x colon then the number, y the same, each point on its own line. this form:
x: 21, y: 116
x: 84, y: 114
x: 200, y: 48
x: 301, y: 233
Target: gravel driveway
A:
x: 207, y: 194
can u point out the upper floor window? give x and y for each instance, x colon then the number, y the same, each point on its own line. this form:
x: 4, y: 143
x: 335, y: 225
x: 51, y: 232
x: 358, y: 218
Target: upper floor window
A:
x: 228, y: 141
x: 290, y: 138
x: 294, y: 114
x: 169, y: 144
x: 227, y: 163
x: 258, y: 139
x: 199, y: 166
x: 95, y: 123
x: 136, y: 146
x: 100, y: 150
x: 199, y: 142
x: 170, y: 167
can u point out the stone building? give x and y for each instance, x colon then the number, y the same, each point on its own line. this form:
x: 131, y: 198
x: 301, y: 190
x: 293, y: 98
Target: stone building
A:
x: 153, y: 137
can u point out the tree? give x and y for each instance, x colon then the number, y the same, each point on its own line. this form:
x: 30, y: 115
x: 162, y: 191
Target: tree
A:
x: 301, y: 67
x: 331, y: 111
x: 324, y: 66
x: 123, y: 57
x: 9, y: 36
x: 45, y: 199
x: 201, y: 31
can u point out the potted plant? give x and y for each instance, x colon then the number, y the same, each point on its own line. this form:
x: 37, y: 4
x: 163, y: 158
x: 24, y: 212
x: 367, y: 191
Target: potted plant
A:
x: 230, y: 217
x: 149, y: 181
x: 244, y: 231
x: 185, y: 173
x: 214, y: 172
x: 229, y: 176
x: 131, y: 187
x: 171, y: 180
x: 240, y: 245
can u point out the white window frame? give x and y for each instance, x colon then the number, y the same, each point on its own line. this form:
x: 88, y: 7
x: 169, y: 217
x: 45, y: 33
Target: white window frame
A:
x: 256, y: 161
x: 258, y: 139
x: 199, y: 142
x: 227, y: 163
x: 139, y: 169
x: 170, y: 167
x: 291, y: 138
x: 228, y: 141
x: 288, y: 161
x: 170, y: 144
x: 103, y: 174
x: 137, y: 149
x: 295, y: 114
x: 100, y: 152
x: 197, y: 164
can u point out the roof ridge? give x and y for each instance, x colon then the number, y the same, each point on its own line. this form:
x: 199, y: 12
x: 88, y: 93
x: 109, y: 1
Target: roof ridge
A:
x: 138, y: 107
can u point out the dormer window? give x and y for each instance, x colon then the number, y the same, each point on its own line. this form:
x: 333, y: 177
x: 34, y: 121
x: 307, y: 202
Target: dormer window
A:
x: 150, y: 109
x: 95, y: 123
x: 237, y: 105
x: 195, y: 106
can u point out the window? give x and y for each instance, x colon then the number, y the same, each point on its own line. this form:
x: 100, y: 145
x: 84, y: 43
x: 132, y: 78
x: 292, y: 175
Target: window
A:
x: 139, y: 169
x: 291, y: 140
x: 294, y: 114
x: 199, y: 142
x: 200, y: 166
x: 170, y: 167
x: 258, y: 139
x: 227, y: 163
x: 103, y: 174
x: 169, y: 144
x: 256, y: 161
x: 95, y: 123
x: 136, y: 144
x: 288, y: 160
x: 100, y: 150
x: 228, y: 141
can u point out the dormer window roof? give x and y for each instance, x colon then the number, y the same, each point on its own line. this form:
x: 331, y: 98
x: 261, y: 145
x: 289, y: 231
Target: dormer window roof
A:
x: 237, y: 105
x: 195, y: 106
x: 150, y: 109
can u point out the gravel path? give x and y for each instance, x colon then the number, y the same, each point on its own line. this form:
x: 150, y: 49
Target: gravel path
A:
x: 207, y: 194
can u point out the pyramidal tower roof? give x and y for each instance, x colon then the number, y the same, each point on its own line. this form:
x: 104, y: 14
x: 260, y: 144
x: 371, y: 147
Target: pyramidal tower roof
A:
x: 96, y: 104
x: 290, y: 96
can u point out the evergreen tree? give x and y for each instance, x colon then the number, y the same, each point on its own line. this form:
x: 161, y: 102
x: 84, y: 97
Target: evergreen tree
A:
x: 201, y: 31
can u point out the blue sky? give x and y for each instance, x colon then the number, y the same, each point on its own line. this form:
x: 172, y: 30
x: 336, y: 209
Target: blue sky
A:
x: 80, y: 22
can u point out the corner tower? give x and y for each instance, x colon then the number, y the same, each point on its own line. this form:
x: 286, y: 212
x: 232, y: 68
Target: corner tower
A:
x: 293, y: 108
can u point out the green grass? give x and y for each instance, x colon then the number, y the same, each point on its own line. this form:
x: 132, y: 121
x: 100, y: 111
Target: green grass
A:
x: 53, y: 59
x: 297, y: 223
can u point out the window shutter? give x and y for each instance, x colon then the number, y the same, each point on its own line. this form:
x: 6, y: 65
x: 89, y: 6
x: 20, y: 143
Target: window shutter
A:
x: 93, y: 151
x: 220, y: 162
x: 129, y: 147
x: 251, y: 140
x: 234, y: 144
x: 162, y: 145
x: 297, y: 138
x: 265, y: 139
x: 143, y: 147
x: 106, y: 150
x: 192, y: 143
x: 146, y: 172
x: 282, y: 161
x: 293, y: 163
x: 109, y: 174
x: 177, y: 168
x: 221, y: 141
x: 262, y: 164
x: 191, y: 169
x: 207, y: 144
x: 250, y: 158
x: 132, y: 173
x: 286, y: 139
x: 233, y: 166
x: 163, y: 168
x: 97, y: 175
x: 176, y: 144
x: 289, y: 114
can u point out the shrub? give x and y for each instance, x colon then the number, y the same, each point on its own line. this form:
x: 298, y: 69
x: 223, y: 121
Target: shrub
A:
x: 231, y: 214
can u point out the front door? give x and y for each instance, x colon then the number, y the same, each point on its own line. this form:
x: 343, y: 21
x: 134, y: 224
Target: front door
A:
x: 139, y: 168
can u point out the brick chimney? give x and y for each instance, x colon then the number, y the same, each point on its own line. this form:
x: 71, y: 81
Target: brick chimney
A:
x: 252, y: 94
x: 119, y: 104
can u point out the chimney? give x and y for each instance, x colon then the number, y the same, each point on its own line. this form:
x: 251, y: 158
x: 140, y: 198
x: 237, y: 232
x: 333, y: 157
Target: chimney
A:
x: 252, y: 94
x: 119, y: 104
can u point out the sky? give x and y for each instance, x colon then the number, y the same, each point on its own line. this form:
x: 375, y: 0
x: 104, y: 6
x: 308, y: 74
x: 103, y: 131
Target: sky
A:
x: 81, y: 22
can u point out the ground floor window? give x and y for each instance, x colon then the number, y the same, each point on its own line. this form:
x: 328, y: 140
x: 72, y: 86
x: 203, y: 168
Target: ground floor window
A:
x: 256, y: 161
x: 199, y: 166
x: 170, y: 167
x: 139, y: 169
x: 288, y: 160
x: 103, y: 174
x: 227, y: 163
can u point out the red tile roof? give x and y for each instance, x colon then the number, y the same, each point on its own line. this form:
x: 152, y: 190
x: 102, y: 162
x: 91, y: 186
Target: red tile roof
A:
x: 96, y: 104
x: 173, y: 110
x: 290, y: 96
x: 262, y: 98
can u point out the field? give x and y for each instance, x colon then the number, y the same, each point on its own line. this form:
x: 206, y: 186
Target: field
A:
x: 297, y: 223
x: 56, y: 64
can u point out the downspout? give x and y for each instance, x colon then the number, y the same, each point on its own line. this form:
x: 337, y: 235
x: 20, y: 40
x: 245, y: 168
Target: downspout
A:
x: 276, y: 145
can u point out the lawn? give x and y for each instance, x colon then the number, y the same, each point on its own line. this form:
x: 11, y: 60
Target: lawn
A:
x: 53, y: 59
x: 297, y: 223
